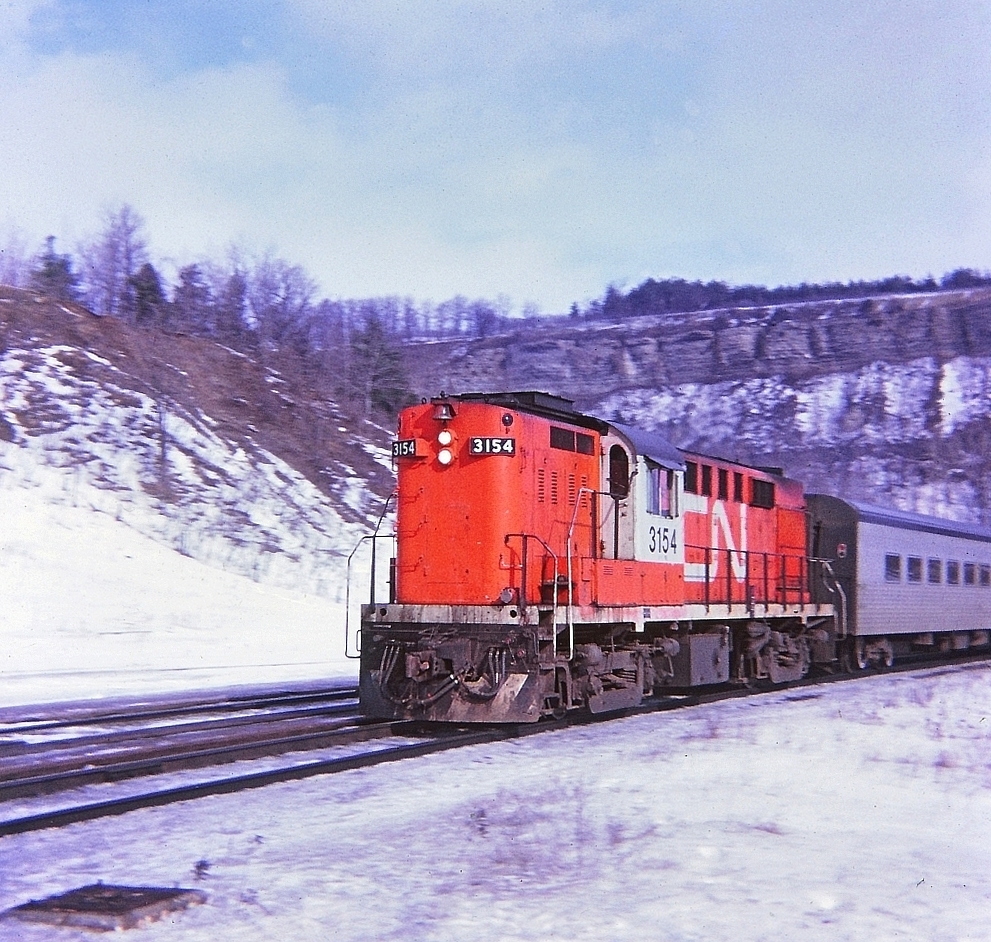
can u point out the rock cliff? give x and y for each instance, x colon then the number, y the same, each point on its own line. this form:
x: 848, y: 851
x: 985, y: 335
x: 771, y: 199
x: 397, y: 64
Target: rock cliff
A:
x: 884, y: 399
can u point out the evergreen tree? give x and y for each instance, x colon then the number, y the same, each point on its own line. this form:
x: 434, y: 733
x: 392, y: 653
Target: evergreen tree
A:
x: 232, y: 309
x: 378, y: 376
x: 149, y: 299
x: 53, y: 274
x: 192, y: 302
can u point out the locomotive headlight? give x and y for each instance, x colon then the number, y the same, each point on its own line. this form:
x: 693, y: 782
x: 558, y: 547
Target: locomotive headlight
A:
x: 445, y: 437
x: 445, y: 456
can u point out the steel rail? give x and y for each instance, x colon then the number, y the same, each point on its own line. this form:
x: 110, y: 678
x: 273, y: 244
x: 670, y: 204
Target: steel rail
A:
x: 443, y: 742
x: 166, y: 758
x: 112, y: 807
x: 91, y: 717
x: 193, y: 727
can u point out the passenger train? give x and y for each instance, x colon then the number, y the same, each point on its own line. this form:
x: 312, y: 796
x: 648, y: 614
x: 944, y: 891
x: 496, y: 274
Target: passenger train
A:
x: 548, y: 561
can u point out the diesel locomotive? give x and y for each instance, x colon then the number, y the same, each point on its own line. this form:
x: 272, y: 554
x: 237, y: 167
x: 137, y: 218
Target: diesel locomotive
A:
x: 547, y: 560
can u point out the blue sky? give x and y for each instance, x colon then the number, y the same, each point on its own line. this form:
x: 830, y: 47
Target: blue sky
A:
x: 536, y: 150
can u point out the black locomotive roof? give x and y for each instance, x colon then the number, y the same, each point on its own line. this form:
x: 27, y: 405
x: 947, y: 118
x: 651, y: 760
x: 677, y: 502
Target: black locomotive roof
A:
x: 905, y: 520
x: 539, y: 403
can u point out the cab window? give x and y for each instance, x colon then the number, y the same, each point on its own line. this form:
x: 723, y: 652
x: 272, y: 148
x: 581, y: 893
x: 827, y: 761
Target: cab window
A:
x: 660, y: 491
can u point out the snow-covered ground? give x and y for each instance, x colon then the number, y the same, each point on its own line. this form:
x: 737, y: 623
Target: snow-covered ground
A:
x: 90, y: 607
x: 857, y: 811
x: 860, y: 811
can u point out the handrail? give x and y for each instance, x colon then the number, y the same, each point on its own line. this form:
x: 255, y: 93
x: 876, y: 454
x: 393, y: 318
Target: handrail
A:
x: 523, y: 575
x: 789, y: 581
x: 571, y: 591
x: 837, y: 588
x: 373, y: 536
x: 375, y: 533
x: 347, y: 591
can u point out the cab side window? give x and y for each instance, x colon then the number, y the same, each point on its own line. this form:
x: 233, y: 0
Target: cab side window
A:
x: 691, y: 477
x: 660, y: 491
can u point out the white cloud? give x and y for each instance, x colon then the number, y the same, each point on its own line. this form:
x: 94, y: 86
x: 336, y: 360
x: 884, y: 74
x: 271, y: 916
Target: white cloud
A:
x: 537, y: 150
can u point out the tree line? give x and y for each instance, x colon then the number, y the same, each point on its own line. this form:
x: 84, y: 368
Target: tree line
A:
x: 263, y: 306
x: 676, y: 295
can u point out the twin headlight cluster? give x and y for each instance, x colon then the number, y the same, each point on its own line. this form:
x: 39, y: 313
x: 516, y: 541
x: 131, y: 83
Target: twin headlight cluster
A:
x: 445, y: 437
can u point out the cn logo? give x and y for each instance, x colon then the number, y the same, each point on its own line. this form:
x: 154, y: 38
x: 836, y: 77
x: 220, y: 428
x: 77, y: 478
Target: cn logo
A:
x: 721, y: 537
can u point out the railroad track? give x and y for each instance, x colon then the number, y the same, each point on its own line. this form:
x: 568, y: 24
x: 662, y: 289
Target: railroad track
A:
x: 380, y: 742
x: 50, y: 750
x: 39, y: 719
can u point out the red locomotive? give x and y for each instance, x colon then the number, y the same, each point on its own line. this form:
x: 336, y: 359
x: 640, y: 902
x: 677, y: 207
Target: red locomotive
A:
x: 548, y: 560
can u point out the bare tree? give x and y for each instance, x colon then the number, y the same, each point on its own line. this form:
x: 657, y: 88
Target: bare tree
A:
x: 110, y: 261
x: 280, y: 299
x: 15, y: 259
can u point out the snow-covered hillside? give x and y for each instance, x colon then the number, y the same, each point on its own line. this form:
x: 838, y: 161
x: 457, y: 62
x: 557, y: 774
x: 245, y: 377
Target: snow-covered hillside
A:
x: 171, y: 513
x: 904, y: 434
x: 187, y: 442
x: 91, y: 443
x: 92, y: 607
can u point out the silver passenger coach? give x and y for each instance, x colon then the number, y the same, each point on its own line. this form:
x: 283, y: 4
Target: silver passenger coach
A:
x: 902, y: 582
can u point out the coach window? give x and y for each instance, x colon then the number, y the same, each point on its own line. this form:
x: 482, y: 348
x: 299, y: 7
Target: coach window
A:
x: 619, y: 472
x: 691, y: 477
x: 952, y: 572
x: 723, y: 491
x: 892, y: 568
x: 935, y: 571
x: 706, y: 480
x: 969, y: 574
x: 738, y: 487
x: 913, y: 569
x: 985, y: 576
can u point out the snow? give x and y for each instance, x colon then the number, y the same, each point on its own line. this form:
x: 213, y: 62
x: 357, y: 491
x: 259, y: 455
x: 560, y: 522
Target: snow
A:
x: 858, y: 811
x: 96, y: 443
x: 92, y: 607
x: 878, y: 403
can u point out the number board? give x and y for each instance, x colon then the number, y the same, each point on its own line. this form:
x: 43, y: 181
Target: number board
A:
x: 404, y: 448
x: 492, y: 446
